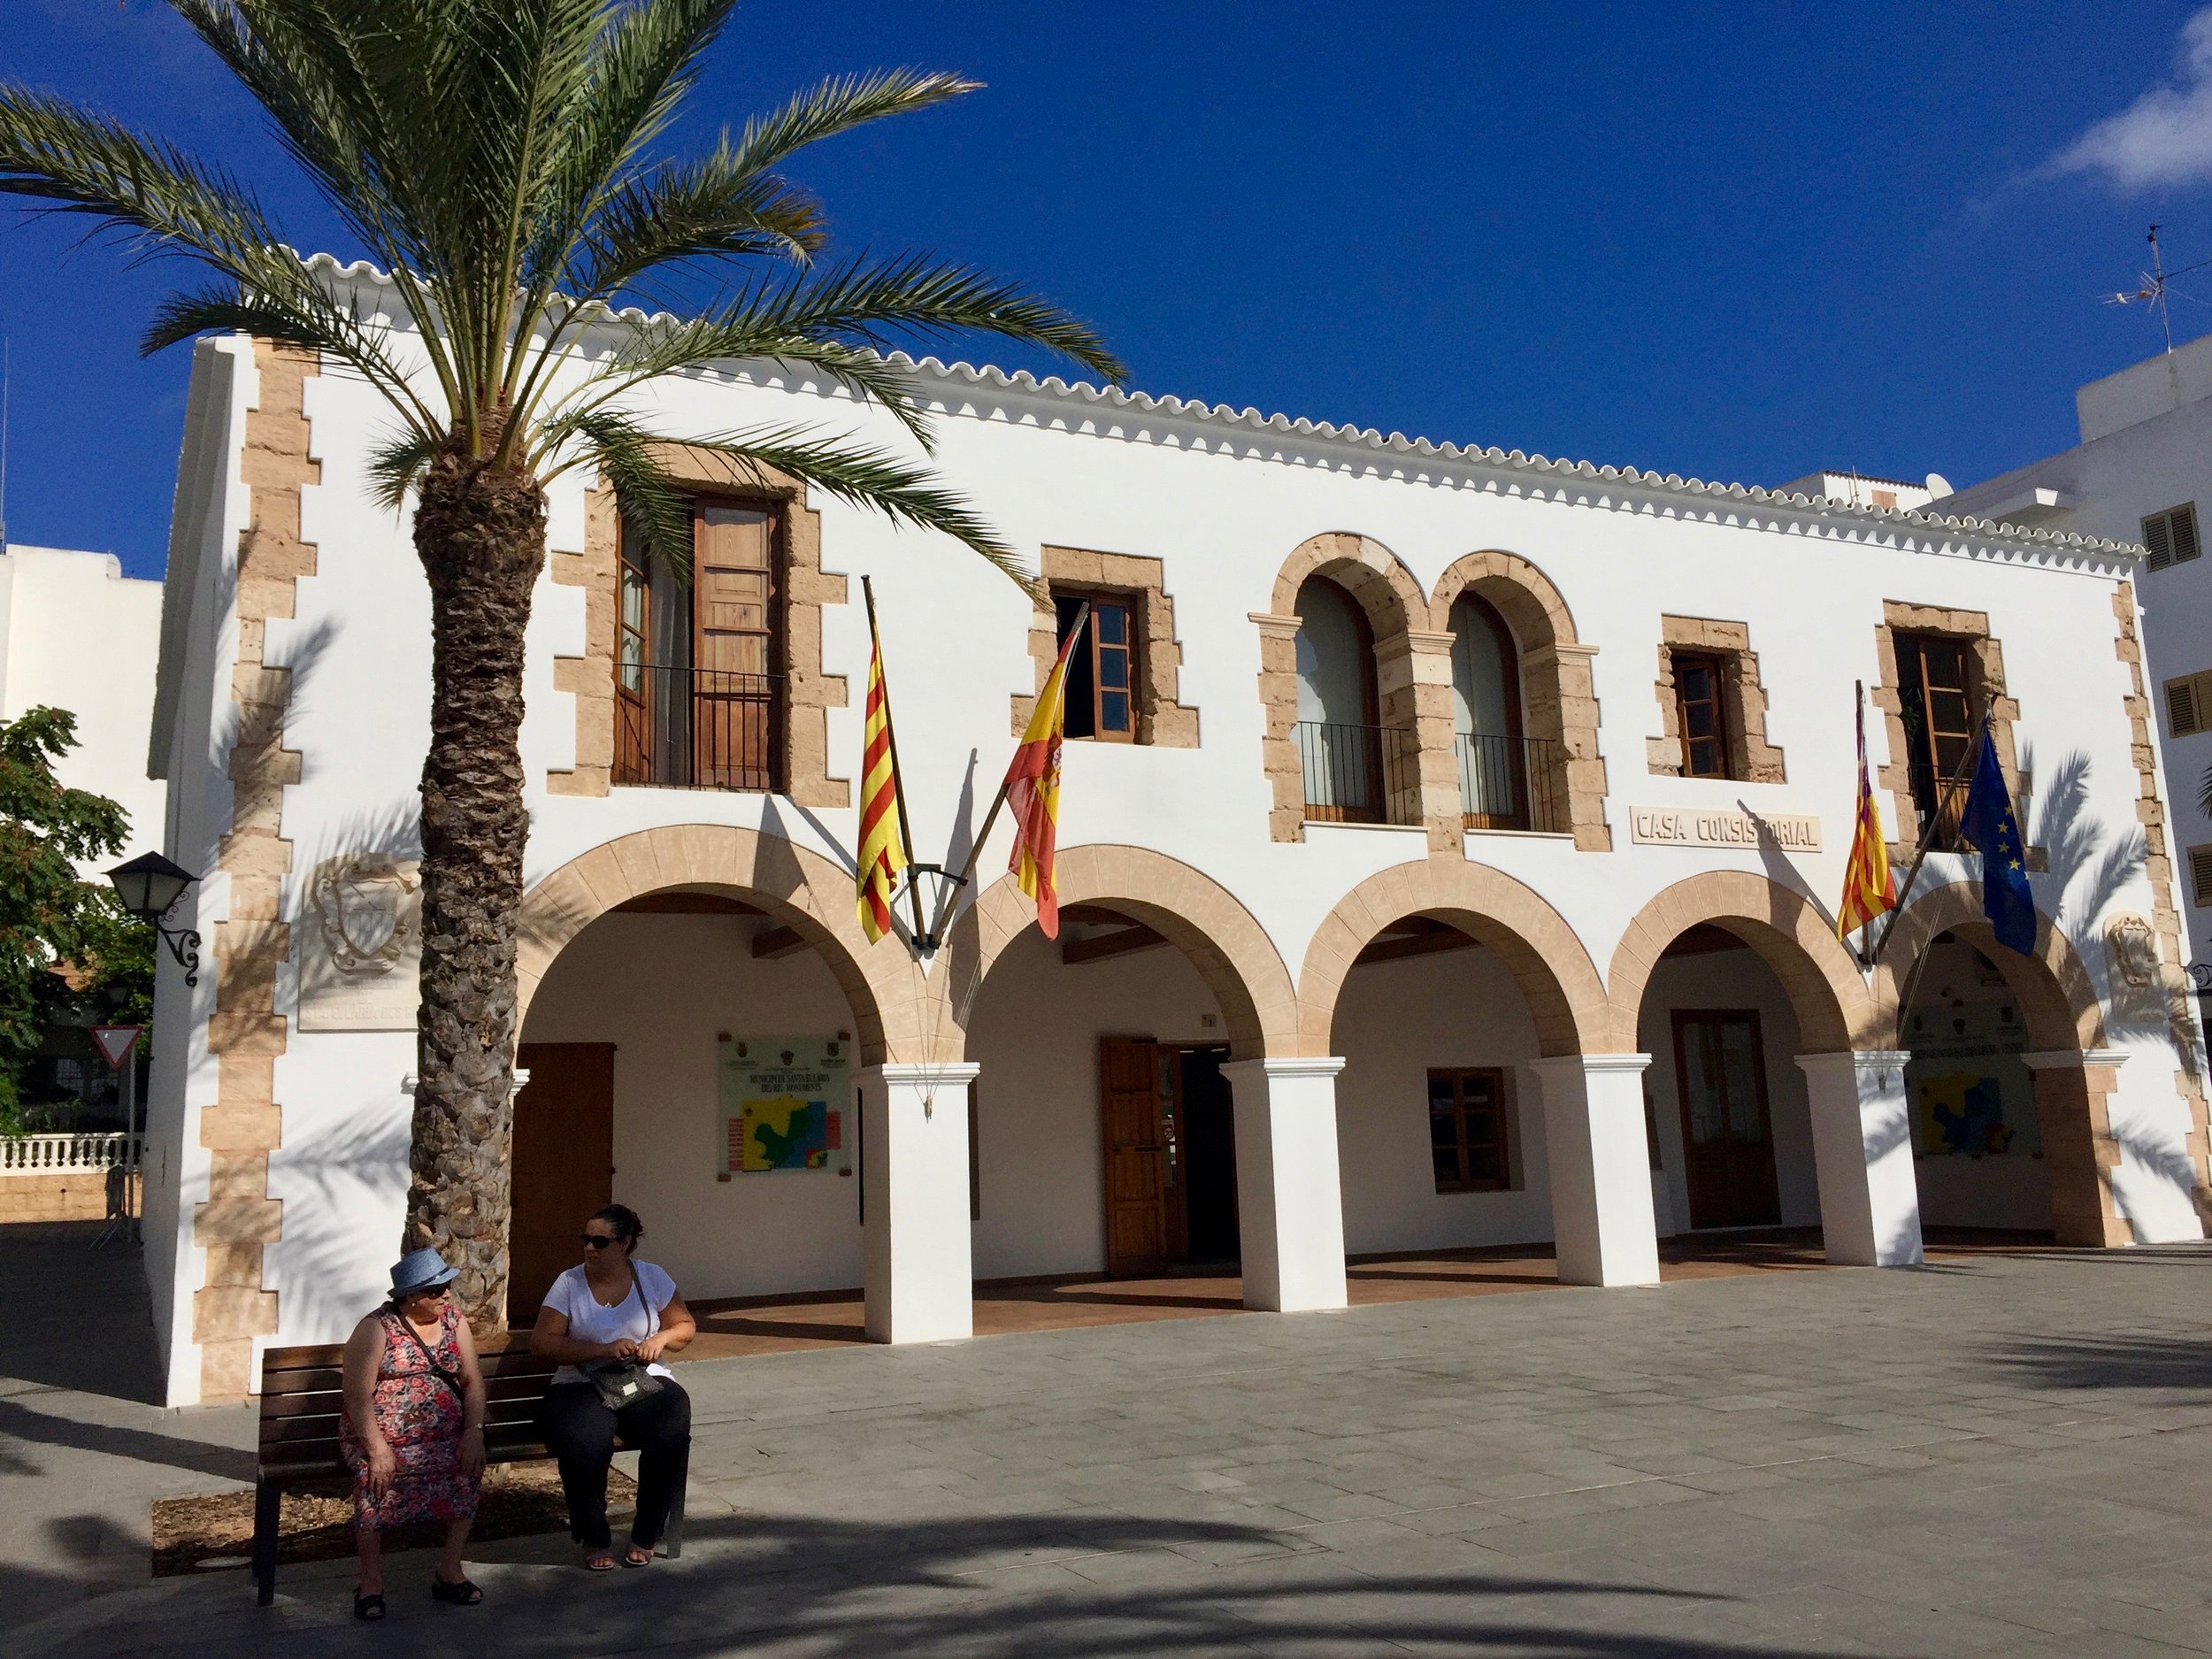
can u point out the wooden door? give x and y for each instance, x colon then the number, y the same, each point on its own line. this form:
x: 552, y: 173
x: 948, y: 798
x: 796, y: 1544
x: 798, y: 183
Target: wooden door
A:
x: 563, y: 1163
x: 1727, y: 1137
x: 735, y: 649
x: 1137, y: 1203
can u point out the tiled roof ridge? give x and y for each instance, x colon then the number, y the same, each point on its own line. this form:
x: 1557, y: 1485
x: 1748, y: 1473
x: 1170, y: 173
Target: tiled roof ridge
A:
x: 1371, y: 439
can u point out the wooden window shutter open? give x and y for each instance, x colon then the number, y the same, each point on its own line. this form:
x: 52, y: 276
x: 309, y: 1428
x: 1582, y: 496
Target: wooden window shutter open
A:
x: 2200, y: 873
x: 2184, y: 707
x: 2186, y: 546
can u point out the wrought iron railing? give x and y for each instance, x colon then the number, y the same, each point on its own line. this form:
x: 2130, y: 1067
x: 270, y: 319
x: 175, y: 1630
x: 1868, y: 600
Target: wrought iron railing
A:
x: 63, y: 1154
x: 1512, y: 782
x: 698, y: 729
x: 1359, y: 774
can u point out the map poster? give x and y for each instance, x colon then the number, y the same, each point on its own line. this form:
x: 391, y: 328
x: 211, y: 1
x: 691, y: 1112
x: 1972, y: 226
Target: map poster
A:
x: 783, y: 1104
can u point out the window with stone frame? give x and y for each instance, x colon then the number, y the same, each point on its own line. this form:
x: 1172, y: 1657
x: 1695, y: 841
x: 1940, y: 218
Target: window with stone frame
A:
x: 1107, y: 665
x: 1124, y: 677
x: 699, y: 685
x: 1712, y: 705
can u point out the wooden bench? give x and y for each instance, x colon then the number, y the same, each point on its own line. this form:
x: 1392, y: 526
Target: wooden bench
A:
x: 301, y: 1398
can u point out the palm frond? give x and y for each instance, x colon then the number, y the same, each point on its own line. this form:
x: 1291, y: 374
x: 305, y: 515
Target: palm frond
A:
x: 154, y: 194
x: 838, y: 105
x: 396, y: 465
x: 656, y: 507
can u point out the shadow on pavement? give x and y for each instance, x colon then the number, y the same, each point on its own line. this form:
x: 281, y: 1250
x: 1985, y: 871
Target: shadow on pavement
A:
x: 1022, y: 1586
x: 2138, y: 1362
x: 72, y: 1316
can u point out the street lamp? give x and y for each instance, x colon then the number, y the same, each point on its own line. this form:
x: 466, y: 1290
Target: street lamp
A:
x: 149, y: 886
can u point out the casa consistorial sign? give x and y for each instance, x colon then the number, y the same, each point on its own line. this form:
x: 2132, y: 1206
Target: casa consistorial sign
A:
x: 360, y: 940
x: 1723, y: 826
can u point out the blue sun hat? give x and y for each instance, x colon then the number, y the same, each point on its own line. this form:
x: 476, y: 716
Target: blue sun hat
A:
x: 418, y: 1270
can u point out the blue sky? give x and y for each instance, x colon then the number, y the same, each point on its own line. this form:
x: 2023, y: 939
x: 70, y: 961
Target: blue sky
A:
x: 1736, y: 241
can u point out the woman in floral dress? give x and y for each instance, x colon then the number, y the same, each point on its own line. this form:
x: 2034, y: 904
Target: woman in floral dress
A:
x: 413, y: 1427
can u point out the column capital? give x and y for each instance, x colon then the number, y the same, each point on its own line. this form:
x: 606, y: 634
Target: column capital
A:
x: 1858, y: 1059
x: 924, y: 1072
x: 2059, y: 1059
x: 1275, y: 1066
x: 1586, y: 1064
x: 1272, y: 627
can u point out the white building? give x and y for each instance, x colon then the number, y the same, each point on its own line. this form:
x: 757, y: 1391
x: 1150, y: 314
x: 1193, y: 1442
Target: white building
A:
x: 2144, y: 463
x: 1459, y: 871
x: 76, y: 633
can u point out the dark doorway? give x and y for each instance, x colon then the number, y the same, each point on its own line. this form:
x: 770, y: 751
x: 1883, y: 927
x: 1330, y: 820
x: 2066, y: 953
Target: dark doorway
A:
x: 563, y: 1163
x: 1727, y: 1137
x: 1209, y: 1155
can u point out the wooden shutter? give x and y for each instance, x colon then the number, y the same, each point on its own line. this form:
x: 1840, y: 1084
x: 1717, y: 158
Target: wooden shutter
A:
x: 2200, y: 873
x: 2171, y: 537
x: 2186, y: 705
x: 735, y: 657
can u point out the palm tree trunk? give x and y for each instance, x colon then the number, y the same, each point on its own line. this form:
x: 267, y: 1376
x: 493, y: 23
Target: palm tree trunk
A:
x: 480, y: 534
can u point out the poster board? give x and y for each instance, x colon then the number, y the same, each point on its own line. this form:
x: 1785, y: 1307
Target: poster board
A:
x: 783, y: 1105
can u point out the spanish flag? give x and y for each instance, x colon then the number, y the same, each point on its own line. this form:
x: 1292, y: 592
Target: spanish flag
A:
x: 882, y: 849
x: 1868, y: 889
x: 1033, y: 790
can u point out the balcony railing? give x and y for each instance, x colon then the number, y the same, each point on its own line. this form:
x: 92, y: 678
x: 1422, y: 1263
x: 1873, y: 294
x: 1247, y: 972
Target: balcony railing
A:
x: 1359, y: 774
x: 698, y: 729
x: 63, y: 1154
x: 1512, y: 782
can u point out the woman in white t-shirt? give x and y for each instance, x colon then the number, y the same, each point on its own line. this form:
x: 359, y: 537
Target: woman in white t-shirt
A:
x: 613, y: 1312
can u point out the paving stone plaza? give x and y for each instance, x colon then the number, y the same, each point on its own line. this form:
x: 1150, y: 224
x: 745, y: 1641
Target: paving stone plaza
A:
x: 1999, y: 1454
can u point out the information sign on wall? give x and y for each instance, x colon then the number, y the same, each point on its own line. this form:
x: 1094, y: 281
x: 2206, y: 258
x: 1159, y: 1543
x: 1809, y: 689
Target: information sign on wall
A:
x: 784, y: 1104
x: 1728, y: 827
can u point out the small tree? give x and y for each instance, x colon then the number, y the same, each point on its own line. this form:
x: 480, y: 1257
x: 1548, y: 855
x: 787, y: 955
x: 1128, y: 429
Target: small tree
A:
x: 500, y: 160
x: 49, y: 915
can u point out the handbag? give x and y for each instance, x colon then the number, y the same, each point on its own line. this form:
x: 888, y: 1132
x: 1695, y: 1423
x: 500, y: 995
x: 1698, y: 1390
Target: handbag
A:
x: 622, y: 1382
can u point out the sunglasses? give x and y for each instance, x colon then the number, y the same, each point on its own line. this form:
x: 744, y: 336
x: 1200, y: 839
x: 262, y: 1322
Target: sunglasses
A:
x: 598, y: 1240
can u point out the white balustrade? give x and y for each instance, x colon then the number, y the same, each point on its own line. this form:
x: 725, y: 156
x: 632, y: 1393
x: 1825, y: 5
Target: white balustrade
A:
x: 63, y: 1154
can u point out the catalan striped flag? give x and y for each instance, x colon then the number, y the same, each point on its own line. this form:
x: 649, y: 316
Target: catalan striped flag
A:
x: 1868, y: 889
x: 1032, y: 791
x: 882, y: 849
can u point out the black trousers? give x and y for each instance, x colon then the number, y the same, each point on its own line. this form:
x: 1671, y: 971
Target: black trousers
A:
x: 581, y: 1431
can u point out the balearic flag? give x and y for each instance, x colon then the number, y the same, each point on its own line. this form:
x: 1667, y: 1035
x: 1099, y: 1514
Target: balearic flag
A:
x: 1868, y: 889
x: 882, y: 849
x: 1033, y: 790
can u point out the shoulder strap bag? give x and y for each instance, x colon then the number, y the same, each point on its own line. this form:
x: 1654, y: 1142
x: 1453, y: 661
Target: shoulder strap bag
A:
x: 451, y: 1380
x: 624, y: 1382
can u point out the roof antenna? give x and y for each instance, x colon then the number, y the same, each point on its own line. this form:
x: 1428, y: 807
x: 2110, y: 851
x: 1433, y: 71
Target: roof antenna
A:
x: 2153, y: 292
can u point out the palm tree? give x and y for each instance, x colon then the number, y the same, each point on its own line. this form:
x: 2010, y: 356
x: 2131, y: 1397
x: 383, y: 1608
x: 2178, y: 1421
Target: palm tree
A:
x: 499, y: 158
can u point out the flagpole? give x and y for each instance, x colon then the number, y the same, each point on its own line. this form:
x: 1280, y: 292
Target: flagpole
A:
x: 891, y: 738
x: 998, y: 801
x: 1920, y: 854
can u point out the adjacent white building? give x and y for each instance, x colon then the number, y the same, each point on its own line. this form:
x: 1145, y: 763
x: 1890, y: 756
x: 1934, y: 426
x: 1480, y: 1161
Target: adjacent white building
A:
x: 1449, y: 844
x: 2141, y: 470
x: 76, y: 633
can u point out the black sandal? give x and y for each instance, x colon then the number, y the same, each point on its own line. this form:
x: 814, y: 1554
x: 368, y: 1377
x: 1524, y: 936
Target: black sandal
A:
x: 461, y: 1594
x: 368, y: 1607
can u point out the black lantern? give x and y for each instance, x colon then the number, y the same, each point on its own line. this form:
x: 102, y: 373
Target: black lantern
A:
x: 149, y: 886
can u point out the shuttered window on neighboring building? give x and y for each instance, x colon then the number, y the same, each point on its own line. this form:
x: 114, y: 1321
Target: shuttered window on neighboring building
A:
x: 2189, y: 704
x: 2171, y: 537
x: 2200, y: 873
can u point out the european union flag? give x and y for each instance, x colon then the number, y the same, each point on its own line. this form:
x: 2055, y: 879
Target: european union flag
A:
x: 1987, y: 822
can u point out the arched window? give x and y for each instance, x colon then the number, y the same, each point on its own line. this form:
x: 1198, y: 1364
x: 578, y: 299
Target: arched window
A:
x: 1338, y: 742
x: 1486, y: 717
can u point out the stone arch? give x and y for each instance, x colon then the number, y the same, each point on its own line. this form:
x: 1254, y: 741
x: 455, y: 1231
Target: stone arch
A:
x: 802, y: 889
x: 1559, y: 702
x: 2057, y: 998
x: 1411, y: 697
x: 1547, y: 959
x: 1834, y: 1011
x: 1222, y: 939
